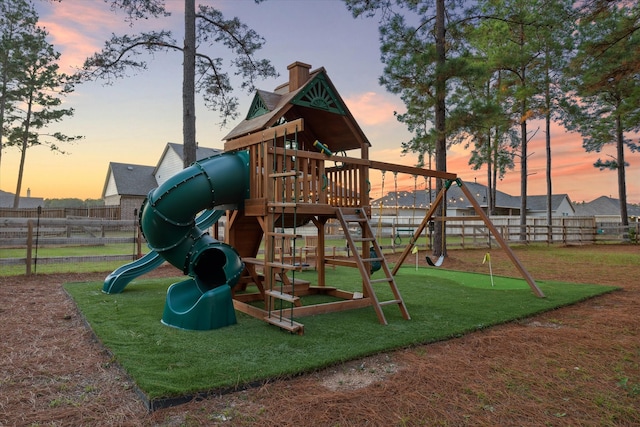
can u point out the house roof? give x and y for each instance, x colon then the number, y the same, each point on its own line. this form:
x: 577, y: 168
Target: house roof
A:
x: 539, y: 203
x: 6, y: 201
x: 604, y: 205
x: 309, y: 95
x: 130, y: 179
x: 456, y: 198
x: 201, y: 152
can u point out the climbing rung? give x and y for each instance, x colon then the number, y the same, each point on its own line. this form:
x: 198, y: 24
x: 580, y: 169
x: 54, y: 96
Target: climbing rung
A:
x: 284, y: 266
x: 276, y: 234
x: 283, y: 174
x: 282, y: 204
x: 285, y: 323
x: 340, y: 262
x: 385, y: 280
x: 371, y: 259
x: 354, y: 218
x: 282, y: 296
x: 392, y: 301
x: 364, y: 239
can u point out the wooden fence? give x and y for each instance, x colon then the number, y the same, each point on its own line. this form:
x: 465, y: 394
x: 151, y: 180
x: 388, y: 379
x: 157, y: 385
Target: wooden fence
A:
x: 104, y: 212
x: 30, y: 233
x: 472, y: 232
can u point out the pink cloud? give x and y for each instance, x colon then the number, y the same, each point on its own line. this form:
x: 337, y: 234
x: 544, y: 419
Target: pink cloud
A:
x: 371, y: 108
x: 78, y: 29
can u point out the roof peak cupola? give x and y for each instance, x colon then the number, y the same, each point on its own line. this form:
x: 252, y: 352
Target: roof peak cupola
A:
x: 298, y: 75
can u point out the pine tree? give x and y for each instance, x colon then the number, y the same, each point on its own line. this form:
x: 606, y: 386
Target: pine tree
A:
x: 205, y: 27
x: 603, y: 90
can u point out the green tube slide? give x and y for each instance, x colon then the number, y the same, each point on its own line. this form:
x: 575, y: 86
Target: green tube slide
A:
x: 168, y: 223
x: 119, y: 278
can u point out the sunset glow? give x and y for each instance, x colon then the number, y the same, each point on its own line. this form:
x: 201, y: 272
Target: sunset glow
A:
x: 132, y: 120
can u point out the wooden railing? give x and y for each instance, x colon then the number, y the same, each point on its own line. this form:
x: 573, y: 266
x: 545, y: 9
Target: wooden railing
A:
x: 304, y: 178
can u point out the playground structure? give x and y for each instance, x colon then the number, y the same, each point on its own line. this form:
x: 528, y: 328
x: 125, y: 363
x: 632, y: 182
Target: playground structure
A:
x: 287, y: 164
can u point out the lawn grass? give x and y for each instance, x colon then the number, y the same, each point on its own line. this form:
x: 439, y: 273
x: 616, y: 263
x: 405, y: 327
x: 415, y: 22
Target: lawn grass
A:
x: 166, y: 362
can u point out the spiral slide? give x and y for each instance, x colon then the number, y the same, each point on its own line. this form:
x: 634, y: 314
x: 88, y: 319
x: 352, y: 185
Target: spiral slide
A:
x: 117, y: 280
x: 167, y: 220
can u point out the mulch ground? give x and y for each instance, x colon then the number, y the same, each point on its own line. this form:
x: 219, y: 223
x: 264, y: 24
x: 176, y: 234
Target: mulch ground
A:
x: 575, y: 366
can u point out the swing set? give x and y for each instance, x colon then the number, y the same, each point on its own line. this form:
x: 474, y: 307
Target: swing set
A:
x: 483, y: 216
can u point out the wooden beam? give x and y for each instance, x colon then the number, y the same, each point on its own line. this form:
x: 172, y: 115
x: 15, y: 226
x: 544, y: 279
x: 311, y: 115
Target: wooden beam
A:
x: 411, y: 170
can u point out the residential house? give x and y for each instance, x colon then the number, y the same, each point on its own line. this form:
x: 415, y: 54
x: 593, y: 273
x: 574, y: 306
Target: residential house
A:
x: 6, y: 200
x: 605, y: 209
x: 127, y: 185
x: 416, y: 203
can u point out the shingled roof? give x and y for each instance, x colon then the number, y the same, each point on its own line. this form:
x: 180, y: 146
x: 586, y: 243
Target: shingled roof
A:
x: 311, y: 96
x: 6, y: 201
x: 131, y: 179
x: 456, y: 198
x: 604, y: 205
x: 455, y: 195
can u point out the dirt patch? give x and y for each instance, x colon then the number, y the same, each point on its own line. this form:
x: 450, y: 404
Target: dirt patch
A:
x: 579, y: 365
x: 358, y: 374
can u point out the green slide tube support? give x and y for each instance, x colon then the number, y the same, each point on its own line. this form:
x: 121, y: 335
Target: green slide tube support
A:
x: 167, y: 221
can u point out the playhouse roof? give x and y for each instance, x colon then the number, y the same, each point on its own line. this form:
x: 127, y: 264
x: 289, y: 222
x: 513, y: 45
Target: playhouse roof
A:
x: 309, y: 95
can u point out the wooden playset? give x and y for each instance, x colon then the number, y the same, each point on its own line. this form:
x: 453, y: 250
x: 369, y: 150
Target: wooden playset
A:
x: 309, y: 162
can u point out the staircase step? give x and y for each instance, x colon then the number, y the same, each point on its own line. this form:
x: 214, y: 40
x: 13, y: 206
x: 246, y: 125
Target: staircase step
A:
x: 282, y: 296
x: 285, y: 323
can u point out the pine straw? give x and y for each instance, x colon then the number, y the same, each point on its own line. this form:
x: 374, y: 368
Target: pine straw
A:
x: 577, y: 365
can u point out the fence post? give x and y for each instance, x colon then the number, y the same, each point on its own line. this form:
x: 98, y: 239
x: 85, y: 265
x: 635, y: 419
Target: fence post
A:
x: 139, y: 241
x: 29, y: 247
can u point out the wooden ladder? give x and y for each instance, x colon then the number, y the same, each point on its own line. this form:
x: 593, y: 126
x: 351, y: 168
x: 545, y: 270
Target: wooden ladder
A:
x: 357, y: 216
x: 276, y: 269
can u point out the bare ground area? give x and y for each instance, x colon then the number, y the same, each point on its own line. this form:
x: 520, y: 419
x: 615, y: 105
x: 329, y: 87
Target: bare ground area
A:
x: 575, y: 366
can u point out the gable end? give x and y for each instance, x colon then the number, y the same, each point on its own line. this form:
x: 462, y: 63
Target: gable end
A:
x: 258, y: 107
x: 318, y: 94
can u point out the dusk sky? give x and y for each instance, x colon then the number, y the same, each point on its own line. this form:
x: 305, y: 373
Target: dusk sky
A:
x: 132, y: 120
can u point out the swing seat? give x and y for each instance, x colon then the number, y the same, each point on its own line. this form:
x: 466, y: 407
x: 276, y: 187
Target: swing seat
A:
x: 438, y: 263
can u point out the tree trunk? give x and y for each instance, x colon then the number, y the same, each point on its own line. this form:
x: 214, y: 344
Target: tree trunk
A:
x: 439, y: 247
x: 23, y: 154
x: 547, y: 100
x: 3, y: 103
x: 188, y: 84
x: 622, y: 184
x: 489, y: 160
x: 523, y: 176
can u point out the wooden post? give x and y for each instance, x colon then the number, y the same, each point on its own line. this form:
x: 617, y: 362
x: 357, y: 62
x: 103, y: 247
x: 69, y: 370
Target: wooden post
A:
x: 139, y: 241
x: 29, y: 246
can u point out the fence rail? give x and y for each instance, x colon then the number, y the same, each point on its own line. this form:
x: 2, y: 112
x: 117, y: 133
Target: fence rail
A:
x: 28, y: 234
x: 472, y: 232
x: 105, y: 212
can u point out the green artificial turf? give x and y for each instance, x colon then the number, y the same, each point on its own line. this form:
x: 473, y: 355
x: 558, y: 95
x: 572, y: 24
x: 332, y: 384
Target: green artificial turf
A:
x: 167, y: 362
